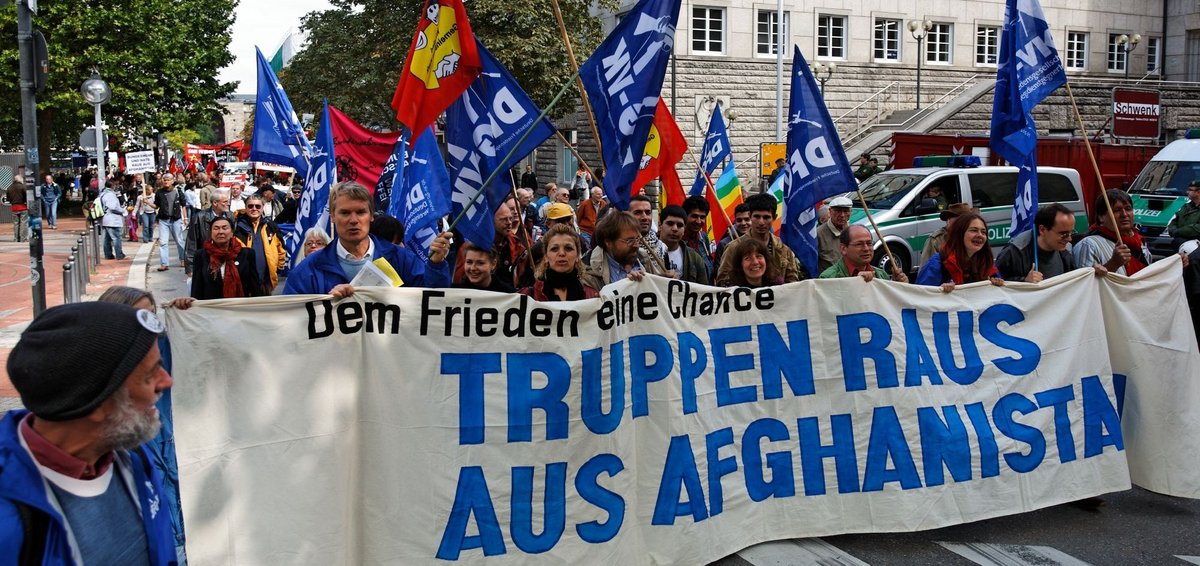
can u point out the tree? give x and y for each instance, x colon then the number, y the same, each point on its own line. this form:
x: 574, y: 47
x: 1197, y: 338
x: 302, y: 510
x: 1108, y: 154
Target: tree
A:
x: 159, y: 57
x: 356, y: 49
x: 179, y: 138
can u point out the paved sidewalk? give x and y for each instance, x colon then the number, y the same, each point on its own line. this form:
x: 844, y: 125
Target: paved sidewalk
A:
x: 16, y: 296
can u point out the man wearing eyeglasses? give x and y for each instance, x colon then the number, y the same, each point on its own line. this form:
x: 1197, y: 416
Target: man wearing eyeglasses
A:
x: 255, y: 231
x: 615, y: 255
x: 1054, y: 225
x: 857, y: 248
x: 1186, y: 223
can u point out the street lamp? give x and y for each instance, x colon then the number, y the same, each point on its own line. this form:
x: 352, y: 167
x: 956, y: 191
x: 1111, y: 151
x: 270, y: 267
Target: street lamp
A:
x: 96, y: 92
x: 818, y: 68
x: 1128, y: 43
x: 919, y: 30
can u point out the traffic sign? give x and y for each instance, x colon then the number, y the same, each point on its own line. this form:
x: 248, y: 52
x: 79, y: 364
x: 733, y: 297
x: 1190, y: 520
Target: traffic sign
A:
x: 87, y: 140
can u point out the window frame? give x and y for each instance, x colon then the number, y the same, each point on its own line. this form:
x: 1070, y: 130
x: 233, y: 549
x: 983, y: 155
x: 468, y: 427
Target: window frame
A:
x: 948, y: 44
x: 1154, y: 64
x: 830, y: 37
x: 877, y: 46
x: 773, y: 29
x: 1083, y: 50
x: 981, y: 46
x: 1116, y: 58
x: 708, y: 40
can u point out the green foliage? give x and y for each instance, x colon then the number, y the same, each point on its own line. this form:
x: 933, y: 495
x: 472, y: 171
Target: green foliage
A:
x: 356, y: 49
x: 159, y: 57
x: 177, y: 138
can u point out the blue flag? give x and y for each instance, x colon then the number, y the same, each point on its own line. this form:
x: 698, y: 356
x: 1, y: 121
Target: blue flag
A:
x: 393, y: 171
x: 314, y: 201
x: 483, y: 126
x: 716, y: 150
x: 278, y: 136
x: 623, y: 78
x: 817, y: 167
x: 1028, y: 70
x: 422, y: 195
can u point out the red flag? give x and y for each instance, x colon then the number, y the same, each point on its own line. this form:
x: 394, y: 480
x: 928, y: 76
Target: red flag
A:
x: 174, y: 167
x: 442, y: 62
x: 665, y: 148
x: 718, y: 221
x: 212, y: 164
x: 360, y: 152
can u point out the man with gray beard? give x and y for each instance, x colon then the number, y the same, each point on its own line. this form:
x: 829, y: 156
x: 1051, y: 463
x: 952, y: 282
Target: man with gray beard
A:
x: 76, y: 484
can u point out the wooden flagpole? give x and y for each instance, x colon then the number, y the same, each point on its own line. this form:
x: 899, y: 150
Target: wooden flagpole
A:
x: 1095, y: 166
x: 587, y: 105
x: 653, y: 255
x: 708, y: 183
x: 511, y: 152
x: 891, y: 258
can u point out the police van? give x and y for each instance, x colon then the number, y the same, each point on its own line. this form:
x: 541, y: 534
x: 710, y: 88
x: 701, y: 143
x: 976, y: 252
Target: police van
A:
x: 1160, y: 190
x: 904, y: 206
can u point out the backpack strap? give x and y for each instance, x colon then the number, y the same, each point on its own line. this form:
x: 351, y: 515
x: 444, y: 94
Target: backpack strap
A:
x: 36, y: 526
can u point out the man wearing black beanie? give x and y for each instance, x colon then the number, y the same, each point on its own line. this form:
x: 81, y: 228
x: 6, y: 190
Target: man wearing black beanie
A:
x: 76, y: 486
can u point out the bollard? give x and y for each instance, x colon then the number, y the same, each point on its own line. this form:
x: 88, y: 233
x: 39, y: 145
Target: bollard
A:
x: 91, y: 264
x: 85, y: 262
x: 68, y: 284
x: 85, y: 272
x: 75, y: 258
x: 95, y: 238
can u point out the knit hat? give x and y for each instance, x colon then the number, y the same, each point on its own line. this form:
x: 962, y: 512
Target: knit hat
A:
x: 73, y: 357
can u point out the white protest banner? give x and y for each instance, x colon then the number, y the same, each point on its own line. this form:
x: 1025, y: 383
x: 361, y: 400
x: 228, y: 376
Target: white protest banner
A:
x: 139, y: 162
x: 1151, y: 341
x: 667, y: 423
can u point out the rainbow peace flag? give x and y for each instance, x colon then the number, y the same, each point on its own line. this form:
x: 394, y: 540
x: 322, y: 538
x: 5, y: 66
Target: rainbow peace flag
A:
x: 777, y: 192
x: 729, y: 195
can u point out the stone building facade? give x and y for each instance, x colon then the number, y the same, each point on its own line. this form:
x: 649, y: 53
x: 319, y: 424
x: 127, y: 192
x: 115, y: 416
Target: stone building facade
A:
x: 725, y: 51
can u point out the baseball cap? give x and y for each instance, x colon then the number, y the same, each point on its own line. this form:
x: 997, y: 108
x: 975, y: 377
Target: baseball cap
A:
x: 558, y: 210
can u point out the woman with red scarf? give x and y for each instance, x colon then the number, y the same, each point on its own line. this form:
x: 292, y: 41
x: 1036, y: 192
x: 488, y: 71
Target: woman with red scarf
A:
x: 966, y: 256
x: 224, y: 268
x: 1101, y: 247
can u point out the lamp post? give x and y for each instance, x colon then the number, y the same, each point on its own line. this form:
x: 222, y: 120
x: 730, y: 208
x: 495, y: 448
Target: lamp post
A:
x: 1128, y: 43
x: 919, y: 30
x: 29, y: 79
x: 96, y: 91
x: 819, y: 68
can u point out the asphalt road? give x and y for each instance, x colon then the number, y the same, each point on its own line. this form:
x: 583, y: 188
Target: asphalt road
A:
x: 1134, y: 527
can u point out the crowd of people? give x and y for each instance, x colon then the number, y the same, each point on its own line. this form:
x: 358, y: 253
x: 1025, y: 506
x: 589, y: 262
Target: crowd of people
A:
x: 551, y: 250
x: 216, y: 229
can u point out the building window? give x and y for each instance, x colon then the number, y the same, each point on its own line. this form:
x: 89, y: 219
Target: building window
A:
x: 939, y: 42
x: 708, y: 30
x: 766, y: 31
x: 1077, y: 48
x: 987, y: 45
x: 1153, y: 56
x: 1116, y: 53
x: 1192, y: 54
x: 831, y: 37
x: 887, y: 39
